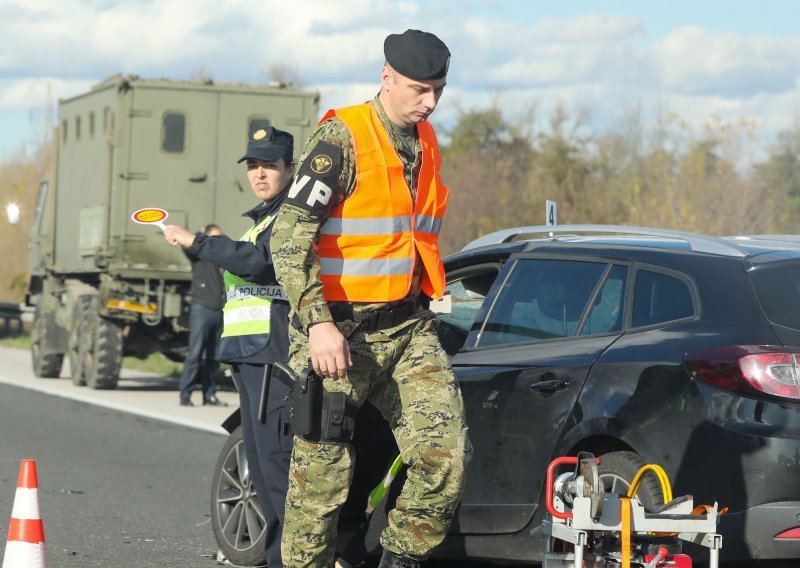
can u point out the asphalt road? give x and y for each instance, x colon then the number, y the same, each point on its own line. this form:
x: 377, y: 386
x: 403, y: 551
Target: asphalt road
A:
x: 124, y: 475
x: 115, y: 489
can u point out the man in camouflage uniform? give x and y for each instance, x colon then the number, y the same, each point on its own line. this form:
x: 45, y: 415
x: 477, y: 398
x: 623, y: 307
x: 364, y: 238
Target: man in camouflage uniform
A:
x: 383, y: 350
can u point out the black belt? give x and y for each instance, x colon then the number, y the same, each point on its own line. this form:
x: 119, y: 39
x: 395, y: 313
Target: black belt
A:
x: 374, y: 320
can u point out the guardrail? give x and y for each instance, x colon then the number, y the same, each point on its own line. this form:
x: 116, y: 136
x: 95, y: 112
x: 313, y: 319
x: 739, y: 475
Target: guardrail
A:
x: 11, y: 314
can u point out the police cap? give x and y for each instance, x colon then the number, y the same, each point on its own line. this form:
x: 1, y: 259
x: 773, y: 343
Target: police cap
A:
x: 269, y: 144
x: 417, y: 55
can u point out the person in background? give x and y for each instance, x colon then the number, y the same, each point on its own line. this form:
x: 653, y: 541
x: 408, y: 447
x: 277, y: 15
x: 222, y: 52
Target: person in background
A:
x: 355, y: 246
x: 205, y: 325
x: 255, y: 323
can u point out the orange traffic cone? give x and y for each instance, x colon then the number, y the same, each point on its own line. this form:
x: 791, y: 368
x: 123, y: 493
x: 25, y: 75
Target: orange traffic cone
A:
x: 25, y: 547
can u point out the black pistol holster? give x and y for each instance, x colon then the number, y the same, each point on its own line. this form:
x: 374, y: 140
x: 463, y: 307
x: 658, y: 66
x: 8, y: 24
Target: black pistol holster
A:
x: 315, y: 414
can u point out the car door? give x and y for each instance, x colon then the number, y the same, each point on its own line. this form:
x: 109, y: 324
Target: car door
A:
x: 522, y: 366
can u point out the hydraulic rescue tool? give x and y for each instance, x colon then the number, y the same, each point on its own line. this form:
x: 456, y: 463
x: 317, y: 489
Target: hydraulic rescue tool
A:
x: 607, y: 530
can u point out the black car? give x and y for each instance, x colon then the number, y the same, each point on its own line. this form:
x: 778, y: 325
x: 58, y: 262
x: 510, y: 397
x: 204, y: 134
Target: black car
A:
x: 637, y: 345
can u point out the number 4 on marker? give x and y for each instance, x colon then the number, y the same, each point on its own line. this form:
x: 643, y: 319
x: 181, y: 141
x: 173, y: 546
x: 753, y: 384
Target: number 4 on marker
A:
x: 551, y: 216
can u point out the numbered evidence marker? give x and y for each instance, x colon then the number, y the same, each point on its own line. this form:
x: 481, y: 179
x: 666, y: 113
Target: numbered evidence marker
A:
x: 550, y: 212
x: 150, y: 216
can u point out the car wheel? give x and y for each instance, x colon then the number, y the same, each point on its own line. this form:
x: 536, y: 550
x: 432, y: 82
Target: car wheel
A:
x: 618, y: 469
x: 236, y: 518
x: 44, y: 366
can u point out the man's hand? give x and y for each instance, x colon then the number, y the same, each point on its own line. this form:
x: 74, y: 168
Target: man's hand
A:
x: 176, y: 235
x: 329, y: 351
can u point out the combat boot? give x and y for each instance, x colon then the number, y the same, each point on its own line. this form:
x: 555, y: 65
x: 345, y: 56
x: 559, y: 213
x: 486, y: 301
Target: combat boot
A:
x: 391, y: 560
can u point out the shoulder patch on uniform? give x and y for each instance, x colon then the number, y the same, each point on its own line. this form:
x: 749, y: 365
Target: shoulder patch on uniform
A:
x: 321, y: 163
x: 317, y: 179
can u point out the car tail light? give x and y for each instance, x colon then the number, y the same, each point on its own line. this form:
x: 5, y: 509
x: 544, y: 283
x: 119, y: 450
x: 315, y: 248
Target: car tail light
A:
x: 789, y: 534
x: 748, y: 369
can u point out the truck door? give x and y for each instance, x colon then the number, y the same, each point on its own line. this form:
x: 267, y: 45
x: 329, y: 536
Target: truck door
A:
x: 172, y: 165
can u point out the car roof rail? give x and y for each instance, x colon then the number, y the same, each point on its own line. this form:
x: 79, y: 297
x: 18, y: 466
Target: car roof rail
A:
x: 696, y: 241
x: 786, y: 240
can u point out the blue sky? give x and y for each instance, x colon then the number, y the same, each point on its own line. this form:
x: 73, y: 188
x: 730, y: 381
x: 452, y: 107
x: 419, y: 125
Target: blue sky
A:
x: 700, y: 59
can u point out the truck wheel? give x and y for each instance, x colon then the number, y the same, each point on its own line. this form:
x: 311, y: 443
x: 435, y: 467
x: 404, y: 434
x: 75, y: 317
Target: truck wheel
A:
x: 616, y: 472
x: 103, y: 357
x: 236, y: 518
x: 78, y: 340
x: 44, y: 366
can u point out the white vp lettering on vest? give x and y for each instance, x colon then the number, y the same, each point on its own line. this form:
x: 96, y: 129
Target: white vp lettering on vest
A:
x: 319, y: 192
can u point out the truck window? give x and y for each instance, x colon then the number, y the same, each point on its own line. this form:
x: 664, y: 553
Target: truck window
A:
x: 257, y: 124
x: 173, y: 133
x: 64, y: 124
x: 91, y: 124
x: 77, y: 128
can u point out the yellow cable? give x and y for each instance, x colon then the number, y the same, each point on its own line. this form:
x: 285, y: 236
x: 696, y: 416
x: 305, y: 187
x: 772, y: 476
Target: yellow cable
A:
x: 625, y: 506
x: 666, y: 488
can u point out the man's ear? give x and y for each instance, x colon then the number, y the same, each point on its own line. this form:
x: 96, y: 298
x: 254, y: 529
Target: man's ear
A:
x: 386, y: 77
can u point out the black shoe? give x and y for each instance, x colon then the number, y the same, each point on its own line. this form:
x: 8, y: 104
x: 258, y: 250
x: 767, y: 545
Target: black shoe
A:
x: 391, y: 560
x: 186, y: 403
x: 213, y: 401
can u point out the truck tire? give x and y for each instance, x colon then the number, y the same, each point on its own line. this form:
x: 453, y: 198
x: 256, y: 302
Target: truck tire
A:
x: 102, y: 360
x: 44, y: 366
x: 616, y: 472
x: 236, y: 517
x: 78, y: 340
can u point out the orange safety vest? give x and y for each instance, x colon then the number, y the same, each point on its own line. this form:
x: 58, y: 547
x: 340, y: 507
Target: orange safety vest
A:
x: 369, y: 244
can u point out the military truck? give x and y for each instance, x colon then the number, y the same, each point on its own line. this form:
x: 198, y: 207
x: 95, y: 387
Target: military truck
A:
x: 102, y: 286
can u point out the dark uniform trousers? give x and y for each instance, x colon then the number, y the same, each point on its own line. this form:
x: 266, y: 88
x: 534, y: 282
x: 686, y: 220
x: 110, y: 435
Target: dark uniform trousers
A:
x: 267, y: 448
x: 205, y: 325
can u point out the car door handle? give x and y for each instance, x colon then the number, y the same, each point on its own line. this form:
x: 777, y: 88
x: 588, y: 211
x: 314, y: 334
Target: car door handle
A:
x: 549, y: 386
x: 198, y: 179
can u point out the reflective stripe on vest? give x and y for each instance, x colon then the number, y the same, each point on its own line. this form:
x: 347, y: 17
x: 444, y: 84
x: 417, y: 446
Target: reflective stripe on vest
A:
x: 370, y: 242
x: 247, y: 310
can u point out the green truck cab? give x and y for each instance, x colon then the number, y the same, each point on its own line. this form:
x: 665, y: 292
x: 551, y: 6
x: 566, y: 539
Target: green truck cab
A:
x: 102, y: 286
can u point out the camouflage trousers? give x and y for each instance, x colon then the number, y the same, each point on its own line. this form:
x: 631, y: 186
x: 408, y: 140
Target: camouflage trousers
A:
x: 406, y: 374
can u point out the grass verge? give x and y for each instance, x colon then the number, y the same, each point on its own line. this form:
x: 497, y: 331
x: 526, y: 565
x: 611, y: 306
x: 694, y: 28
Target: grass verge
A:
x: 156, y: 363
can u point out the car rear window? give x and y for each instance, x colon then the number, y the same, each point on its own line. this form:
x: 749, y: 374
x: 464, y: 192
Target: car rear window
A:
x: 660, y: 298
x: 777, y: 289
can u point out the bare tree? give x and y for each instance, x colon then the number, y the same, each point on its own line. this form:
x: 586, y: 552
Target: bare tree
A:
x: 283, y: 75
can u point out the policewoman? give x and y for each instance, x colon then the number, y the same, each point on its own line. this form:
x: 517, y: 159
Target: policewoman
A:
x: 255, y: 322
x: 356, y: 247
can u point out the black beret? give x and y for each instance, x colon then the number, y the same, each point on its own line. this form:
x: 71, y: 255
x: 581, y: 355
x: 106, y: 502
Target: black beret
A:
x: 269, y: 144
x: 417, y: 55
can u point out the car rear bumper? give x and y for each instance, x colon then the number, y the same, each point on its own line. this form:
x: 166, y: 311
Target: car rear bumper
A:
x: 761, y: 524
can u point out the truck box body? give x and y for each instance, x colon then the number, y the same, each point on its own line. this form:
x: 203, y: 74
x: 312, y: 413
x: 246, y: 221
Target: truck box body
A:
x: 125, y: 145
x: 130, y: 144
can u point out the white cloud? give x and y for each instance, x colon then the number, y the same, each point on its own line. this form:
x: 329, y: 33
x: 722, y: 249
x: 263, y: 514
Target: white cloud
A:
x: 33, y: 93
x: 595, y: 61
x: 693, y: 60
x: 555, y: 52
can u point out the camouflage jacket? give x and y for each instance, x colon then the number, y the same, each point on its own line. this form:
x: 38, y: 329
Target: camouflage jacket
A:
x: 296, y: 230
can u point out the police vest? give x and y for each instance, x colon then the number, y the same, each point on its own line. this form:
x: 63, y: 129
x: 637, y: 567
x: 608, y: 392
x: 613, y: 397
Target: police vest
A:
x: 370, y: 242
x: 246, y: 314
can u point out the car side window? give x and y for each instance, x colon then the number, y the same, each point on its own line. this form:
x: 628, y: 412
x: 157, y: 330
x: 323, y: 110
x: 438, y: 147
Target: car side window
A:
x: 660, y: 298
x: 457, y: 310
x: 540, y: 299
x: 606, y: 313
